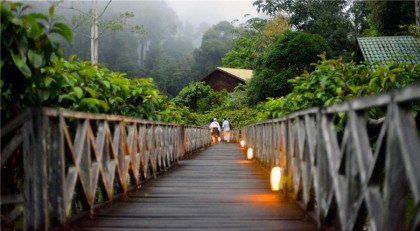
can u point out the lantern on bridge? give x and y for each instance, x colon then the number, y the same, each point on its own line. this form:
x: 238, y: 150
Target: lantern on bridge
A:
x: 242, y: 143
x: 250, y: 153
x: 275, y: 178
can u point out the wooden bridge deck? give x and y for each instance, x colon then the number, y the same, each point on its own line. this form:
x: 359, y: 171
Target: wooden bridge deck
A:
x: 217, y: 189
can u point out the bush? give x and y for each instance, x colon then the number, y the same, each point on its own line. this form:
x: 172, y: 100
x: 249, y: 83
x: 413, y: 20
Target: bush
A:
x: 34, y: 74
x: 289, y: 56
x: 334, y: 81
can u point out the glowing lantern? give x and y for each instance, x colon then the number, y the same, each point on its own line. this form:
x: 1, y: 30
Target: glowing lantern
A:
x: 275, y: 178
x: 242, y: 143
x: 250, y: 153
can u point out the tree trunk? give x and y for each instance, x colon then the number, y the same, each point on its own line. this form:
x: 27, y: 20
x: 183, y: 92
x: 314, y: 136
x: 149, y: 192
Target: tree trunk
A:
x: 94, y: 34
x: 418, y: 16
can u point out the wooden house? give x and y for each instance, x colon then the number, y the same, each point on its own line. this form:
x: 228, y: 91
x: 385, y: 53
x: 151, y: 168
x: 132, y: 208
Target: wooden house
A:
x: 388, y: 48
x: 227, y: 78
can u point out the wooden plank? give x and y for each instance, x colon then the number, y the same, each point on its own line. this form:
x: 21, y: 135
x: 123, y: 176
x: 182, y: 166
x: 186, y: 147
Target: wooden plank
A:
x: 216, y: 189
x: 11, y: 147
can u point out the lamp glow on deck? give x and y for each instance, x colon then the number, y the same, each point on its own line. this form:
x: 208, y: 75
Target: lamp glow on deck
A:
x: 275, y: 178
x: 250, y: 153
x: 242, y: 143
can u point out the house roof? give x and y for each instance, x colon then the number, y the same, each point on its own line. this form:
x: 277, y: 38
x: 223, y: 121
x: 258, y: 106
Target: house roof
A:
x: 244, y: 74
x: 383, y: 49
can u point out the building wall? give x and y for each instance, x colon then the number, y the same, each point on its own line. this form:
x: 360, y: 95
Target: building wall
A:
x: 219, y: 81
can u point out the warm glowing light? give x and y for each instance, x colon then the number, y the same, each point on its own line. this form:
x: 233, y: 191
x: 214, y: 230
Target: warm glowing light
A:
x: 219, y: 139
x: 250, y: 153
x: 275, y: 178
x: 242, y: 143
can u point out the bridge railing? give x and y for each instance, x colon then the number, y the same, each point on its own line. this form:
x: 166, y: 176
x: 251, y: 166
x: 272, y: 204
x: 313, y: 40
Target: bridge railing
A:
x: 344, y: 168
x: 58, y: 164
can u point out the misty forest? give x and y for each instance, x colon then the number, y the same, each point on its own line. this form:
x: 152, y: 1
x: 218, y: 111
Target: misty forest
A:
x: 138, y: 58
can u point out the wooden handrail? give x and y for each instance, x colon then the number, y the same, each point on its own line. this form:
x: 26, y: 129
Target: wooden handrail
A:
x: 60, y: 163
x: 344, y: 171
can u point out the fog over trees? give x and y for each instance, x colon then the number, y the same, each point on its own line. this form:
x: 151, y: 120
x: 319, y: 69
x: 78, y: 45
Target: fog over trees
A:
x: 150, y: 39
x: 177, y: 42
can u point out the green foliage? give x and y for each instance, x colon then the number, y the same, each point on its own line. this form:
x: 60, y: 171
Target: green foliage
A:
x: 238, y: 118
x: 255, y: 36
x: 247, y: 46
x: 241, y: 55
x: 329, y: 19
x: 334, y: 81
x: 27, y: 46
x: 236, y: 99
x: 216, y: 42
x: 79, y: 86
x: 390, y: 17
x: 289, y: 56
x: 33, y: 74
x: 272, y: 7
x: 214, y: 104
x: 190, y: 95
x: 213, y: 100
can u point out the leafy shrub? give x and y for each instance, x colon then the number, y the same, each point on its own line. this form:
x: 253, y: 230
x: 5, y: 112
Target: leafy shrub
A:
x: 27, y: 46
x: 80, y: 86
x: 200, y: 97
x: 34, y: 74
x: 334, y: 81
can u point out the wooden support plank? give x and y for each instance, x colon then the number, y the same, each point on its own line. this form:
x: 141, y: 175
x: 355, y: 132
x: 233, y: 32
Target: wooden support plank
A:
x: 11, y: 147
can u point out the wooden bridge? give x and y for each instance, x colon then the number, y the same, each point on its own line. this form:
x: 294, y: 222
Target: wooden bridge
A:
x: 216, y: 189
x: 342, y: 168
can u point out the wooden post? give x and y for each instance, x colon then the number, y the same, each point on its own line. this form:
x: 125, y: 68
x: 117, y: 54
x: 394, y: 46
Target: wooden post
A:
x: 35, y: 167
x: 56, y: 174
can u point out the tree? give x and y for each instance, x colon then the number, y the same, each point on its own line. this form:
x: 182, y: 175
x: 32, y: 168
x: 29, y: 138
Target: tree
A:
x: 98, y: 27
x: 216, y: 42
x: 190, y: 95
x: 358, y: 14
x: 242, y: 54
x: 391, y: 17
x: 200, y: 97
x: 255, y: 36
x: 289, y: 56
x: 328, y: 19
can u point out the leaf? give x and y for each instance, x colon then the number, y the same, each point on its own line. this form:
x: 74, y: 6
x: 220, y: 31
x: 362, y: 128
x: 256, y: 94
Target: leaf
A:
x: 91, y: 102
x: 20, y: 62
x: 43, y: 95
x: 39, y: 16
x: 35, y: 59
x: 107, y: 84
x: 91, y: 91
x: 66, y: 97
x: 104, y: 105
x: 63, y: 30
x: 392, y: 78
x: 78, y: 92
x: 48, y: 81
x: 52, y: 9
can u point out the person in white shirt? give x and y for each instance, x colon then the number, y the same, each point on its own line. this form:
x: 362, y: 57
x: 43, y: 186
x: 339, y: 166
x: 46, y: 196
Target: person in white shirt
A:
x: 215, y: 130
x: 226, y: 130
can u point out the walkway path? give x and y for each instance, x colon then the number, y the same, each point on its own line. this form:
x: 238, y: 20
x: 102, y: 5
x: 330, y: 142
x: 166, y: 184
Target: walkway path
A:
x: 217, y: 189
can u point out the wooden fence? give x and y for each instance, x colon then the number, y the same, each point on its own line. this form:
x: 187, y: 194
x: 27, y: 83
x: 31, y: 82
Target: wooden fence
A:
x: 346, y: 169
x: 57, y: 164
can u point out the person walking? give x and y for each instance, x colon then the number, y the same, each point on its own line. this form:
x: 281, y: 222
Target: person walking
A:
x: 215, y: 130
x: 226, y: 130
